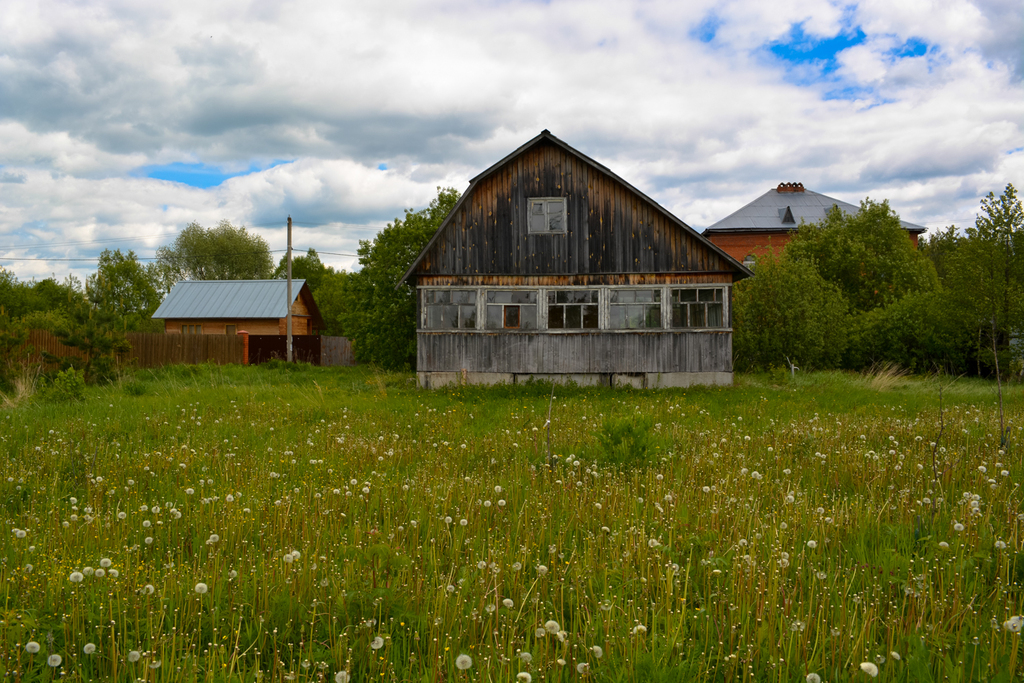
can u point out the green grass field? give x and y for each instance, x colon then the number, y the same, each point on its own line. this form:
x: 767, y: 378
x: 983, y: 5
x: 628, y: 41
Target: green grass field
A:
x: 279, y: 524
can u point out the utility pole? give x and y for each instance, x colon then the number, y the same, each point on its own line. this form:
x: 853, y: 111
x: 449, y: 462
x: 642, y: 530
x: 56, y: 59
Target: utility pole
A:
x: 289, y: 316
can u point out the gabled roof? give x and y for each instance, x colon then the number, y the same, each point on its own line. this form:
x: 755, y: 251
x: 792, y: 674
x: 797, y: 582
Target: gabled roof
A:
x: 766, y: 213
x: 229, y: 299
x: 545, y: 135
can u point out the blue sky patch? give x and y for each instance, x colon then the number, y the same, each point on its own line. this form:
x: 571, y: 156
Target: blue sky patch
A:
x: 199, y: 175
x: 705, y: 31
x: 799, y: 48
x: 382, y: 167
x: 914, y: 47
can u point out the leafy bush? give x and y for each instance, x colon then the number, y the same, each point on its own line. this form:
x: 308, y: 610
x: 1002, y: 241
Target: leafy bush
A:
x: 625, y: 442
x: 788, y: 310
x: 66, y: 386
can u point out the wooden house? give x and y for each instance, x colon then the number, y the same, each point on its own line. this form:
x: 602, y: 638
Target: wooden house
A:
x: 550, y: 266
x: 230, y: 306
x: 769, y: 222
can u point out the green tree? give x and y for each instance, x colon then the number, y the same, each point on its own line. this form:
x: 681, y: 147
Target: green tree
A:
x: 123, y: 287
x: 939, y: 248
x: 225, y: 252
x: 868, y: 255
x: 95, y: 332
x: 986, y: 277
x: 377, y: 313
x: 788, y: 310
x: 329, y: 297
x: 306, y: 267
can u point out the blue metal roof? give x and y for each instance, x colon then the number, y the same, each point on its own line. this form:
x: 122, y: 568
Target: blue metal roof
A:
x: 767, y: 211
x: 197, y: 299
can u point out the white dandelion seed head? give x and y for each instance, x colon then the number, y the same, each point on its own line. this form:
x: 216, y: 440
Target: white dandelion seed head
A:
x: 812, y: 544
x: 89, y: 648
x: 895, y: 655
x: 341, y: 677
x: 526, y: 657
x: 76, y: 577
x: 134, y: 656
x: 524, y: 677
x: 463, y: 662
x: 870, y: 668
x: 813, y: 678
x: 1014, y: 624
x: 540, y: 632
x: 582, y: 668
x: 377, y: 643
x: 54, y: 660
x: 598, y: 651
x: 31, y: 647
x: 551, y: 626
x: 943, y: 545
x: 100, y: 573
x: 958, y: 527
x: 507, y: 602
x: 88, y: 571
x: 639, y: 630
x: 202, y: 588
x: 105, y: 563
x: 149, y: 589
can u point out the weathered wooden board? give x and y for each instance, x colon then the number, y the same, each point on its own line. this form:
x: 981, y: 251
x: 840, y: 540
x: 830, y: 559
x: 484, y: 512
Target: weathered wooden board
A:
x: 598, y: 352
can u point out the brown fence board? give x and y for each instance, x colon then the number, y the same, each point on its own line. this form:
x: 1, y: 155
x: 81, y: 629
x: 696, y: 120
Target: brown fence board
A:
x: 336, y: 351
x: 150, y: 350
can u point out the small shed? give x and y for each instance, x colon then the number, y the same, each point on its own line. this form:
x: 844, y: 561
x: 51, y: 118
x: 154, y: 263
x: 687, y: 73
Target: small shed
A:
x: 768, y: 222
x: 550, y: 266
x: 229, y: 306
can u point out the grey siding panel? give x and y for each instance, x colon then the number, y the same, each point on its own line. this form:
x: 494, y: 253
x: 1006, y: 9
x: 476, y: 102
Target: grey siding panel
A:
x: 575, y: 353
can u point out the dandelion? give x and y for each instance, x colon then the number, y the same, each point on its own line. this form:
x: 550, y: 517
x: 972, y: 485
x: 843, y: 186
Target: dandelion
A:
x: 943, y: 545
x: 463, y: 522
x: 582, y: 668
x: 813, y: 678
x: 1013, y: 624
x: 958, y: 527
x: 105, y: 563
x: 149, y: 540
x: 540, y: 632
x: 463, y: 662
x: 1000, y: 545
x: 869, y: 668
x: 148, y: 589
x: 89, y: 648
x: 214, y: 538
x: 524, y: 677
x: 100, y: 573
x: 639, y: 630
x: 155, y: 664
x: 541, y: 570
x: 507, y: 602
x: 895, y: 655
x: 598, y: 651
x: 341, y: 677
x: 377, y: 643
x: 76, y: 577
x: 54, y: 660
x: 134, y: 656
x: 812, y: 544
x: 32, y: 647
x: 202, y: 588
x: 88, y: 571
x: 551, y: 626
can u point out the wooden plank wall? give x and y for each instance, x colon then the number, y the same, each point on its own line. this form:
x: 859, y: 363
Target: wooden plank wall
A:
x: 336, y: 351
x: 153, y: 350
x: 599, y: 352
x: 610, y: 228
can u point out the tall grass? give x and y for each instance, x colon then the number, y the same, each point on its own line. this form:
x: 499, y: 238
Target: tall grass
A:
x: 776, y: 529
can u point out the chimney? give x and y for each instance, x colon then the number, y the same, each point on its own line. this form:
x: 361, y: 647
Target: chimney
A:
x: 790, y: 187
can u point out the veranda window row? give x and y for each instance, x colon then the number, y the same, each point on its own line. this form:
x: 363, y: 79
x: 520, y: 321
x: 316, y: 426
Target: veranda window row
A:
x: 567, y: 309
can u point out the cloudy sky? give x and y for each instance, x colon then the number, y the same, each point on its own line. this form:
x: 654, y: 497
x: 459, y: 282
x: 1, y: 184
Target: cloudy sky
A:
x: 121, y: 122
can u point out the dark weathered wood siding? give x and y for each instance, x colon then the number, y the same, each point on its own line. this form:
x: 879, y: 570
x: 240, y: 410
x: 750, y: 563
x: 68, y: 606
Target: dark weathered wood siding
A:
x: 610, y: 227
x: 597, y: 352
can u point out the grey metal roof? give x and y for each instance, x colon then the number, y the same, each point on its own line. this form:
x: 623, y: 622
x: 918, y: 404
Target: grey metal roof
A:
x: 766, y: 212
x: 199, y: 299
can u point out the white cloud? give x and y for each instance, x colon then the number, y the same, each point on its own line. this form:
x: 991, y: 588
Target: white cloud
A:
x: 92, y: 93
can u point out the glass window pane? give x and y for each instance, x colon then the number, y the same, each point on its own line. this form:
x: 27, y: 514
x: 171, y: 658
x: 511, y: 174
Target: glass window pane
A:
x: 684, y: 295
x: 555, y: 320
x: 467, y: 317
x: 678, y: 315
x: 715, y: 315
x: 572, y: 317
x: 537, y: 223
x: 536, y: 208
x: 511, y: 317
x: 622, y: 296
x: 643, y: 295
x: 463, y: 296
x: 697, y: 315
x: 556, y: 219
x: 617, y: 317
x: 527, y: 317
x: 493, y: 321
x: 524, y: 297
x: 499, y: 297
x: 653, y: 316
x: 708, y: 295
x: 563, y: 297
x: 590, y: 317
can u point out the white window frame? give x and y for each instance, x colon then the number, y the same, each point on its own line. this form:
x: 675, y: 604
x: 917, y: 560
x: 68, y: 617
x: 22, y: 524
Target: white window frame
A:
x: 548, y: 204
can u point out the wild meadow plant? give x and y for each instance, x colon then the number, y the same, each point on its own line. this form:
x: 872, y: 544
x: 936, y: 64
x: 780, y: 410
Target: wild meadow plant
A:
x: 316, y: 525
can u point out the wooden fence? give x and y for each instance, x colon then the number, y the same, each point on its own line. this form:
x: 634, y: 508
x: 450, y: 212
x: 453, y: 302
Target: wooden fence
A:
x: 151, y: 350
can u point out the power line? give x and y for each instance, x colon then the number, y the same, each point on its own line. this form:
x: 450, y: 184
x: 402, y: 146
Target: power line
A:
x: 154, y: 258
x: 65, y: 244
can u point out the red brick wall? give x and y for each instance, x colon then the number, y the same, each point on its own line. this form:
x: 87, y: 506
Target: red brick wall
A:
x: 740, y: 245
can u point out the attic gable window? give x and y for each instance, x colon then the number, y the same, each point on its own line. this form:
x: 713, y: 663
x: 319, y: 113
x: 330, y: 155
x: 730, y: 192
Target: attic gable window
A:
x: 546, y: 215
